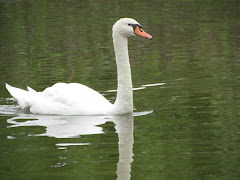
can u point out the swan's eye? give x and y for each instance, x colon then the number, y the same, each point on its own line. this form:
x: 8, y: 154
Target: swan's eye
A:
x: 135, y: 25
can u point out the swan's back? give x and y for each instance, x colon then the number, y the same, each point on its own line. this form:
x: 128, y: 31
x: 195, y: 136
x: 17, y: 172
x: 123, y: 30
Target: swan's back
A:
x: 62, y: 98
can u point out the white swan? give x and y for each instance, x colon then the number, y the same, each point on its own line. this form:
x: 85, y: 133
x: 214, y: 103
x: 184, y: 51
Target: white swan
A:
x: 78, y: 99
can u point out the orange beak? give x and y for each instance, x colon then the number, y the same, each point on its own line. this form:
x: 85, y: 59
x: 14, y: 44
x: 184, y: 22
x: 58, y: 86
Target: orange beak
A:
x: 139, y: 31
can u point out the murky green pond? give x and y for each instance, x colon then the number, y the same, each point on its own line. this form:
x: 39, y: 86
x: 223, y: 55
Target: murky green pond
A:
x: 186, y: 90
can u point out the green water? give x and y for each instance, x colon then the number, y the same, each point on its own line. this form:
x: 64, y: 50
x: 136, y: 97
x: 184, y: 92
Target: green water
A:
x: 187, y: 90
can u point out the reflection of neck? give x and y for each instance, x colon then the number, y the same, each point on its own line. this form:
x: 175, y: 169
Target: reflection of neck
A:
x: 124, y: 128
x: 124, y: 101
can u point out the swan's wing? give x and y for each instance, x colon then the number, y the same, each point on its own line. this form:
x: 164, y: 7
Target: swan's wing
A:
x: 78, y: 98
x: 74, y: 94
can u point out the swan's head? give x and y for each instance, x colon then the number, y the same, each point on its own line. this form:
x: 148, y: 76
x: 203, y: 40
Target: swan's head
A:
x: 129, y: 27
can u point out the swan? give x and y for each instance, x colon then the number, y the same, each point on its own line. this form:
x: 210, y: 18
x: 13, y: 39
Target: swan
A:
x: 78, y: 99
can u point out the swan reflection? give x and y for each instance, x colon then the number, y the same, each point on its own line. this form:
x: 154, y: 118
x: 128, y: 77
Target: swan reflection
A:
x: 62, y: 126
x: 75, y: 126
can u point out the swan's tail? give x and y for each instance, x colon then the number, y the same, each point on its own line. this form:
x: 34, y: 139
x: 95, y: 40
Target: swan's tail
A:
x: 21, y: 96
x: 32, y: 101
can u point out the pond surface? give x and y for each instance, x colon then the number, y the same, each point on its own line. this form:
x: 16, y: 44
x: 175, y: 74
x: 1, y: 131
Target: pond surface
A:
x: 186, y: 90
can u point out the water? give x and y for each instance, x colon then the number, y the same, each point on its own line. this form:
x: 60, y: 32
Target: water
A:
x: 186, y: 90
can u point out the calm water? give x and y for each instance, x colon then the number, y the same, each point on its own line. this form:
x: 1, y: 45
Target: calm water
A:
x: 187, y: 90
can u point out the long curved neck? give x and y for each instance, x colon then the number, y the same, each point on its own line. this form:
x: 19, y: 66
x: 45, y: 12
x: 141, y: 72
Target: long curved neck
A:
x: 124, y: 101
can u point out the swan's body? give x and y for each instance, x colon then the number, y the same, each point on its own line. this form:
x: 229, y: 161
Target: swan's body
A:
x: 78, y: 99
